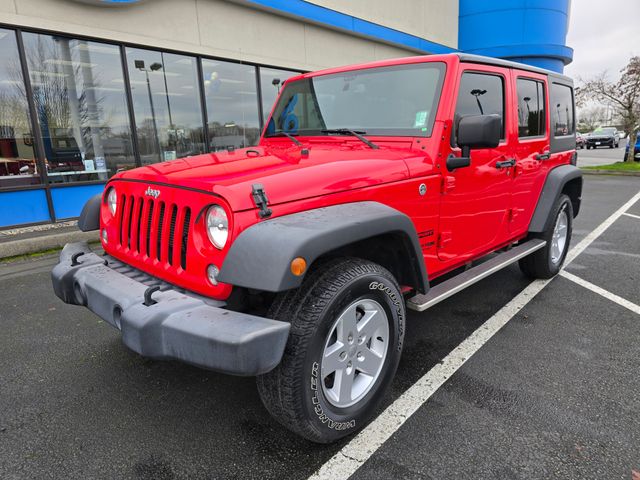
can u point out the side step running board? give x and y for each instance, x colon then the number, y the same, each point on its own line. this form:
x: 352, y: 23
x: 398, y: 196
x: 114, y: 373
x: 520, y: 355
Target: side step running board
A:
x: 454, y: 285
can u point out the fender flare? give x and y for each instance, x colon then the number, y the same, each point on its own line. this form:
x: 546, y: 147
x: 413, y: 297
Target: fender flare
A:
x: 90, y: 216
x: 261, y: 255
x: 553, y: 187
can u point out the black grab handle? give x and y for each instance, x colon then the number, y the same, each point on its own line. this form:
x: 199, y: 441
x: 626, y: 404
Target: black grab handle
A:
x: 506, y: 163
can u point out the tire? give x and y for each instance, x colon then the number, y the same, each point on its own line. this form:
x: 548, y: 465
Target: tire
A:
x: 299, y: 393
x: 547, y: 262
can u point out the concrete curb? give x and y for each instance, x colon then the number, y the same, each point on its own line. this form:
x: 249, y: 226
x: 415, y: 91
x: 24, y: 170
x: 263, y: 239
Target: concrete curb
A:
x: 45, y: 242
x: 610, y: 172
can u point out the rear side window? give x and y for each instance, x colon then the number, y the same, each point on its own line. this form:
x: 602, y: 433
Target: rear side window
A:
x: 480, y: 94
x: 531, y: 115
x: 562, y: 118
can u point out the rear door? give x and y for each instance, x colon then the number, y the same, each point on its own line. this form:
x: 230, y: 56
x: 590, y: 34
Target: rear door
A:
x: 476, y: 199
x: 531, y: 149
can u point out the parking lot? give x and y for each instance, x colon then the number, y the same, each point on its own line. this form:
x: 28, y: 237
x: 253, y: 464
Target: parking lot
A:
x: 601, y: 156
x: 551, y: 394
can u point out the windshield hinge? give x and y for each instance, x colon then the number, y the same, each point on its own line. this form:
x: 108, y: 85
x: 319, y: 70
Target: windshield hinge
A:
x: 260, y: 199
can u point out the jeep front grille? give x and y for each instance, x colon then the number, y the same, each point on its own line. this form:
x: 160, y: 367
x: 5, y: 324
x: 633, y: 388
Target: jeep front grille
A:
x: 155, y: 229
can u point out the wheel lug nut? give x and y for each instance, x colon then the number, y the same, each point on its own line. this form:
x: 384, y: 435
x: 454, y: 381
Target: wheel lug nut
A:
x: 350, y: 338
x: 343, y: 355
x: 360, y: 356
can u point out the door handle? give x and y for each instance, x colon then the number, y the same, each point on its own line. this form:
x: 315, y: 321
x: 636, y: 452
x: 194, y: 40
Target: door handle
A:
x: 543, y: 156
x: 506, y: 163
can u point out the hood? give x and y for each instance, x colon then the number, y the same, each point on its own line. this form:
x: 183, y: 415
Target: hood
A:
x: 285, y: 172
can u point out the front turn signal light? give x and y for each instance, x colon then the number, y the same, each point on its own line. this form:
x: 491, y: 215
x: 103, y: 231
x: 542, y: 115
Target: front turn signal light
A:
x: 298, y: 266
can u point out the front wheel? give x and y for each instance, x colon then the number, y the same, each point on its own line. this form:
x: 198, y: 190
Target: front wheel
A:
x: 347, y: 327
x: 546, y: 262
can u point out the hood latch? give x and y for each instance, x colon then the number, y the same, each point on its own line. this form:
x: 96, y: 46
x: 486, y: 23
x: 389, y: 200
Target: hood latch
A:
x: 260, y: 199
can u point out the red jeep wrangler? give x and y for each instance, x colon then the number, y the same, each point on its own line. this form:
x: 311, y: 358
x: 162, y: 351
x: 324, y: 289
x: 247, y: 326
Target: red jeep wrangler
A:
x: 295, y: 260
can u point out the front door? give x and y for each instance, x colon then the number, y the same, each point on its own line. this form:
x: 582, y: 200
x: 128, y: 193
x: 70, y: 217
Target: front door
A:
x: 474, y: 212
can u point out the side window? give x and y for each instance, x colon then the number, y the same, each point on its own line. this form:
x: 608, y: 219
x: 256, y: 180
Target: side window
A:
x: 480, y: 94
x: 531, y: 115
x: 562, y: 122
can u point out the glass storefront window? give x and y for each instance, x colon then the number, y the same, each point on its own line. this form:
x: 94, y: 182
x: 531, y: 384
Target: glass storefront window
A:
x: 232, y: 104
x: 79, y: 96
x: 271, y: 80
x: 166, y: 103
x: 17, y: 160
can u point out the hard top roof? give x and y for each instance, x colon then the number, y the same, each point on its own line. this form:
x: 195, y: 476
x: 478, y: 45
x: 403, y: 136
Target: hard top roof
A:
x: 468, y: 57
x: 463, y: 57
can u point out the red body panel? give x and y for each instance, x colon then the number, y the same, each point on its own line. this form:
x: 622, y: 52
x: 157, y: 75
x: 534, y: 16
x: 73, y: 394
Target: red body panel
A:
x: 463, y: 215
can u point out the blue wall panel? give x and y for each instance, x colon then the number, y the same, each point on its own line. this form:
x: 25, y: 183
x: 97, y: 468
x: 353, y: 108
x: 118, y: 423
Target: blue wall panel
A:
x: 68, y: 201
x: 27, y: 206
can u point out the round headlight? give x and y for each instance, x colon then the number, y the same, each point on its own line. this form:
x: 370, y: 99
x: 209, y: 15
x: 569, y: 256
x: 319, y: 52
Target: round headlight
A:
x: 112, y: 200
x: 217, y: 226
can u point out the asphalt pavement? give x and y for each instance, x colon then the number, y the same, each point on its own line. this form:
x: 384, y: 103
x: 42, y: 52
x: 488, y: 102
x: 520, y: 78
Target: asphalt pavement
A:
x: 554, y: 394
x: 601, y: 156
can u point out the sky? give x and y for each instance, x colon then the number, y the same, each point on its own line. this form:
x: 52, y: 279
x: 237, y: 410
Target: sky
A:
x: 604, y: 34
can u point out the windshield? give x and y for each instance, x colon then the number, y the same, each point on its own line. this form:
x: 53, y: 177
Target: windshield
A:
x: 399, y: 100
x: 604, y: 131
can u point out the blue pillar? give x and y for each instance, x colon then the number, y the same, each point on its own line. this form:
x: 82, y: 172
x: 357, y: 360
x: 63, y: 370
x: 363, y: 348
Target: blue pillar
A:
x: 528, y: 31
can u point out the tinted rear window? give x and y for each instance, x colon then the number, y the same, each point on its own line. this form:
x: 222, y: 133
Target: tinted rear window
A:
x: 531, y: 114
x: 562, y: 117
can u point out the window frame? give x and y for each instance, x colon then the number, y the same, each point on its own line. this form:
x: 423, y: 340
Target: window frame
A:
x: 488, y: 72
x: 545, y: 98
x: 573, y: 112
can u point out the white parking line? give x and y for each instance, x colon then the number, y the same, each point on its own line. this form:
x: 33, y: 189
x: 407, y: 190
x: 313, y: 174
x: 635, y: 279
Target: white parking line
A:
x: 601, y: 291
x: 586, y: 241
x: 632, y: 215
x: 353, y: 455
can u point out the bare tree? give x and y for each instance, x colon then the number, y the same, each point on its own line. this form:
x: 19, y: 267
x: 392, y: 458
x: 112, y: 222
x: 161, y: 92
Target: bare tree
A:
x: 591, y: 117
x: 624, y: 96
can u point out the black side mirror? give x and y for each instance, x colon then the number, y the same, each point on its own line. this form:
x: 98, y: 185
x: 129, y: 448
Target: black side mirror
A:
x: 475, y: 131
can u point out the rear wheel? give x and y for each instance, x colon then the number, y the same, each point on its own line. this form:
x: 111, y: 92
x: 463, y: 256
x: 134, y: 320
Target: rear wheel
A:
x: 546, y: 262
x: 347, y: 327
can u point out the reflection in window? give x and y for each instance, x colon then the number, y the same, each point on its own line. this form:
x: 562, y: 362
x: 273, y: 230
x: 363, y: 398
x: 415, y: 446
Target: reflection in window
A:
x: 79, y: 95
x: 396, y: 100
x: 531, y: 117
x: 271, y: 81
x: 480, y: 94
x: 232, y: 104
x: 17, y: 164
x: 166, y: 103
x: 562, y: 110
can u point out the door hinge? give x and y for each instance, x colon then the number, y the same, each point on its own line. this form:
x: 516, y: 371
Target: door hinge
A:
x: 444, y: 238
x: 260, y: 199
x: 448, y: 183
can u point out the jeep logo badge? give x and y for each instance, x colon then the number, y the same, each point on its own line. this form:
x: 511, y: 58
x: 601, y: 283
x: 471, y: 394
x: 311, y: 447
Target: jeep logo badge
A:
x: 151, y: 192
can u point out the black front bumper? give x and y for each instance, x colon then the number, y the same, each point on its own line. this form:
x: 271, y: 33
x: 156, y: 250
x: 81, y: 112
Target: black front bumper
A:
x: 601, y: 142
x: 169, y: 324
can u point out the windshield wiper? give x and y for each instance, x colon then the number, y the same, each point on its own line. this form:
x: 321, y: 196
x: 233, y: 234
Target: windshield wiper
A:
x: 289, y: 136
x: 356, y: 133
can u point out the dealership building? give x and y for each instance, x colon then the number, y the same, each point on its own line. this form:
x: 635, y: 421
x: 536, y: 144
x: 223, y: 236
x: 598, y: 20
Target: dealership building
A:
x: 91, y: 87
